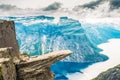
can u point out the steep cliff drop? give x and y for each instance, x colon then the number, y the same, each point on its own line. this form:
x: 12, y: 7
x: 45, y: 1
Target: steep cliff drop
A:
x: 13, y: 66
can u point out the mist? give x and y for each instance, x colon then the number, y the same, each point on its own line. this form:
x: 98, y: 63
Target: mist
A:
x: 78, y: 9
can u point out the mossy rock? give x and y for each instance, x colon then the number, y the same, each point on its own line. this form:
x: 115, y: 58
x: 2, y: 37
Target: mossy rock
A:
x: 24, y: 57
x: 25, y: 54
x: 110, y: 74
x: 1, y: 77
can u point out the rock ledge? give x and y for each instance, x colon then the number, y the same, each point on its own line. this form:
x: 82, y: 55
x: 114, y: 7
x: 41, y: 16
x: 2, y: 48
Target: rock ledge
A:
x: 14, y: 66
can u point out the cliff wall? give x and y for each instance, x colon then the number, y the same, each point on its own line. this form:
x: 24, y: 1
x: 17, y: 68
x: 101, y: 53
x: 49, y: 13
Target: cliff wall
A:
x: 16, y: 66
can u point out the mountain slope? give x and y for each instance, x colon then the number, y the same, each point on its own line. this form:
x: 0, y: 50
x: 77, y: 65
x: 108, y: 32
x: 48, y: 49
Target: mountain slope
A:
x: 111, y: 74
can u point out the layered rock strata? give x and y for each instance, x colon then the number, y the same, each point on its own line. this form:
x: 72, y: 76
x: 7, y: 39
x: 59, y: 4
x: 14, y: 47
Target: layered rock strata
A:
x: 38, y: 68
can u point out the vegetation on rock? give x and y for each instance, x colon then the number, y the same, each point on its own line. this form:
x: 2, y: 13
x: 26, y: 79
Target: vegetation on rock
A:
x: 0, y: 73
x: 110, y: 74
x: 25, y: 54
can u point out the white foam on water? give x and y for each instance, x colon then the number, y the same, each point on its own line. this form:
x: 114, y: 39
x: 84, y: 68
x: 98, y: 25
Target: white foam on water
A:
x: 43, y: 43
x: 112, y: 50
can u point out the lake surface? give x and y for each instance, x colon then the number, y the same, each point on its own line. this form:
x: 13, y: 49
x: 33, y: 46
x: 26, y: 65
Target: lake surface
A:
x: 112, y: 50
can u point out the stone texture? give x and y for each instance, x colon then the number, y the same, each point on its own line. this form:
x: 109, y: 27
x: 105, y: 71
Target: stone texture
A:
x: 8, y: 36
x: 34, y: 68
x: 111, y: 74
x: 7, y: 53
x: 8, y: 68
x: 38, y: 68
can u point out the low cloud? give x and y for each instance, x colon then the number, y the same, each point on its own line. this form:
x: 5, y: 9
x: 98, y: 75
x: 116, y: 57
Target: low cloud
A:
x: 98, y: 8
x: 7, y: 7
x: 93, y: 4
x: 53, y: 6
x: 90, y: 5
x: 114, y: 4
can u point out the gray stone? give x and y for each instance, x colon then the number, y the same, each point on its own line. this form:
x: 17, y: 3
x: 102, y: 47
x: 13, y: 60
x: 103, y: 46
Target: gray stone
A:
x: 111, y: 74
x: 8, y: 36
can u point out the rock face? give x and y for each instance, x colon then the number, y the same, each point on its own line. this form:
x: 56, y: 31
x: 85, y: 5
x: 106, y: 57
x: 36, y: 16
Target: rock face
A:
x: 7, y: 66
x: 111, y: 74
x: 8, y: 36
x: 38, y: 68
x: 13, y: 67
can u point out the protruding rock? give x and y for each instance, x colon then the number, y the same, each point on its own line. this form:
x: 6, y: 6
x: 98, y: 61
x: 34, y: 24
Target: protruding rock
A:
x: 34, y: 68
x: 38, y: 68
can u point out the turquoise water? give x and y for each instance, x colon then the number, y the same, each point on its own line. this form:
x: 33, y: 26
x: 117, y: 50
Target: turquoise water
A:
x: 112, y: 50
x: 38, y: 35
x: 61, y: 69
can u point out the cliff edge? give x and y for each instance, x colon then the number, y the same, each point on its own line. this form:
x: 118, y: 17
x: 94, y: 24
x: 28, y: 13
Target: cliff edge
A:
x: 15, y: 66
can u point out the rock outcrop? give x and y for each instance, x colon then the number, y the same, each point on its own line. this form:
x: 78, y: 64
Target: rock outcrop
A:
x: 38, y: 68
x: 15, y: 67
x: 111, y: 74
x: 8, y: 36
x: 8, y: 68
